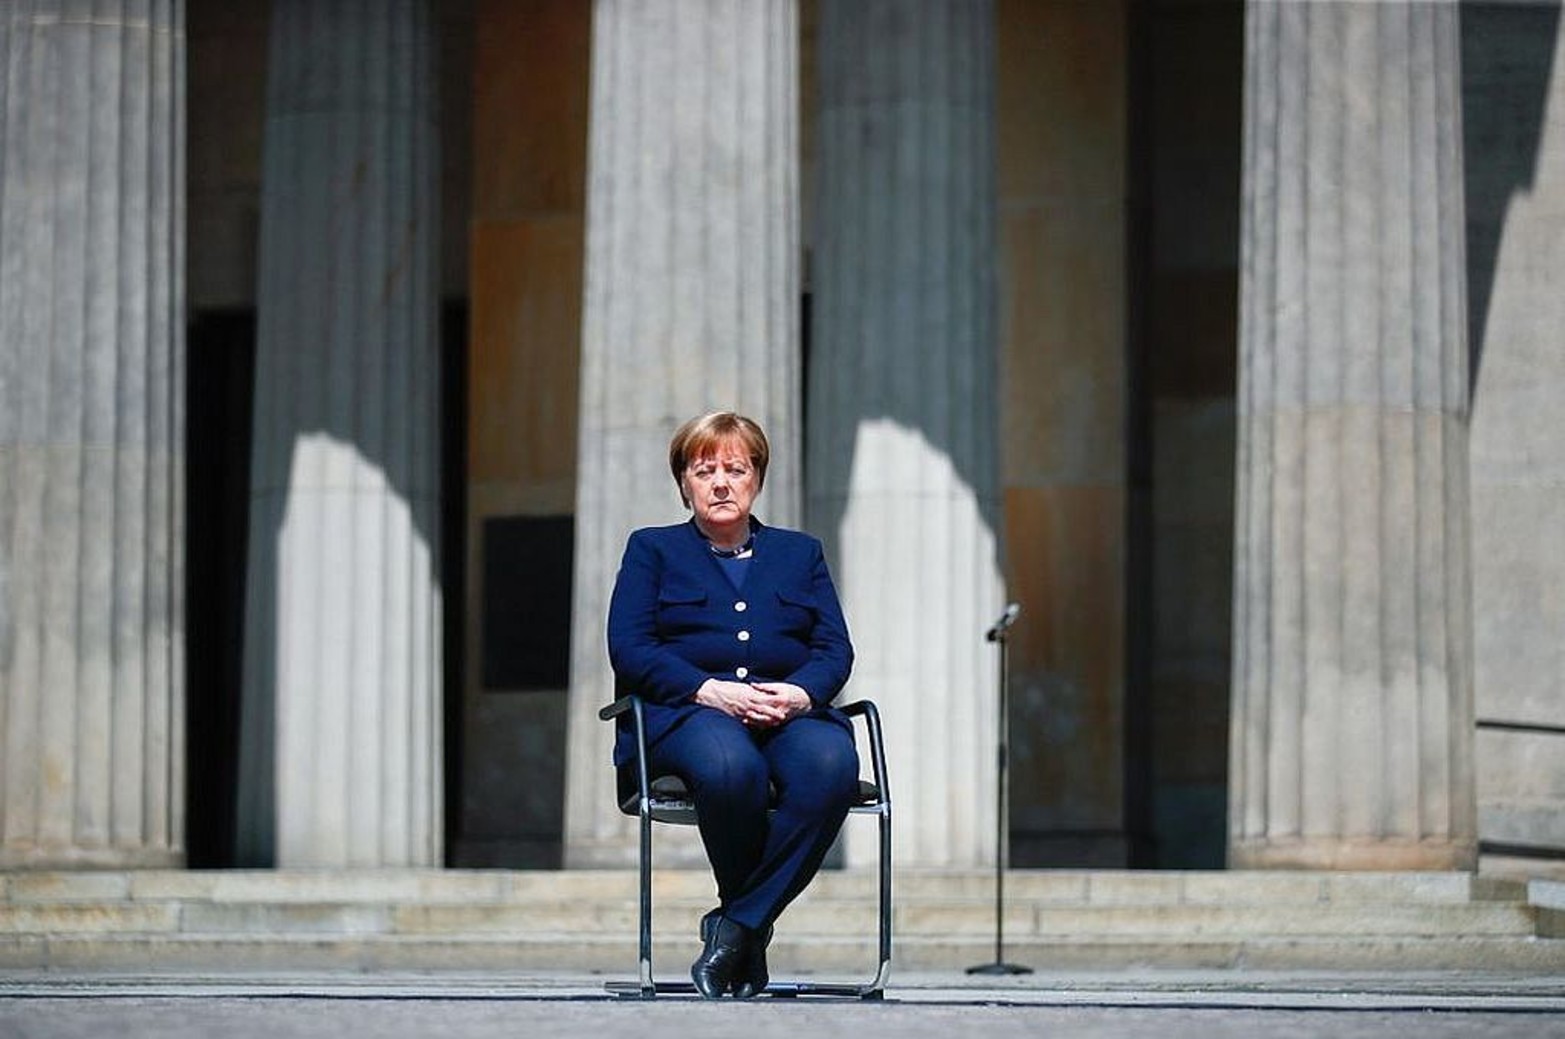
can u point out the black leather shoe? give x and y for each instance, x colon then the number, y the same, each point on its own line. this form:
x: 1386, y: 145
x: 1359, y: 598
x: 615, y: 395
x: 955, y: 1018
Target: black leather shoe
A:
x: 722, y: 960
x: 752, y: 976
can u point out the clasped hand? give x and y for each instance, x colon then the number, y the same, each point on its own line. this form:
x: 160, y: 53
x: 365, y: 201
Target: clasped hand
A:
x: 759, y: 705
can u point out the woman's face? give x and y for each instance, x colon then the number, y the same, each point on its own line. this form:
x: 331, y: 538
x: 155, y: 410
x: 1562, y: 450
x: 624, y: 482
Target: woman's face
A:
x: 721, y: 488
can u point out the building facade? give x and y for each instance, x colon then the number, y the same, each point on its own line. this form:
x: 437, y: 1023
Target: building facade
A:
x: 341, y: 345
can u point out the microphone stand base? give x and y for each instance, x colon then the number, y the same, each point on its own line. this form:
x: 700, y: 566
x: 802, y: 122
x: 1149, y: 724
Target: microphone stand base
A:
x: 999, y: 968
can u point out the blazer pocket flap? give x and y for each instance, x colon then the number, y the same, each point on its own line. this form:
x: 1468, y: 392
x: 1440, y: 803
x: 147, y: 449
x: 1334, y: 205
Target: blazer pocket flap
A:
x: 797, y: 597
x: 681, y: 595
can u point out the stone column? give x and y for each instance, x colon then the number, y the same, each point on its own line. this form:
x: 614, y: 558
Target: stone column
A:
x: 1352, y: 740
x: 692, y: 303
x: 340, y: 762
x: 903, y: 398
x: 91, y: 435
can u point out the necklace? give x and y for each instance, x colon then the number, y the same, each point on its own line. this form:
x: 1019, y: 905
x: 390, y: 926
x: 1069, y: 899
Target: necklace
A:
x: 732, y: 553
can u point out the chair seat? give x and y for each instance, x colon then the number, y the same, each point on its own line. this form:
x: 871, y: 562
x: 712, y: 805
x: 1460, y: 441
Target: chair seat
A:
x: 671, y: 797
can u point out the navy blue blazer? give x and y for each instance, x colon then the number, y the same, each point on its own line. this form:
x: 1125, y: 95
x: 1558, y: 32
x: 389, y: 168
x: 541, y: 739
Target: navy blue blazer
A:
x: 675, y: 620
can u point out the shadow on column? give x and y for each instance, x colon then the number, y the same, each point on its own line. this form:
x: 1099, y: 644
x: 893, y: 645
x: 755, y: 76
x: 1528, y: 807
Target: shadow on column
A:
x: 220, y: 395
x: 1507, y: 63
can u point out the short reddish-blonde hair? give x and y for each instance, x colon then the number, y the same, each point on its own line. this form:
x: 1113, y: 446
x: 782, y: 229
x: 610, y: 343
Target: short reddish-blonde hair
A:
x: 705, y: 435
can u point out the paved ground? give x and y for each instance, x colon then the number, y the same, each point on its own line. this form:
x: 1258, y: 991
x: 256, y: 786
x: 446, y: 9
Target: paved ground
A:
x: 1128, y: 1006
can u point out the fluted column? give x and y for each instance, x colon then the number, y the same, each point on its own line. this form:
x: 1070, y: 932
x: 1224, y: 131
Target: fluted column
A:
x: 340, y: 763
x: 692, y: 301
x: 1352, y: 712
x: 91, y: 435
x: 903, y: 397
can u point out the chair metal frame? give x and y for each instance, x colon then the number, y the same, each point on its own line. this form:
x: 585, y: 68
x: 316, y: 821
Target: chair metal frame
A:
x: 651, y: 806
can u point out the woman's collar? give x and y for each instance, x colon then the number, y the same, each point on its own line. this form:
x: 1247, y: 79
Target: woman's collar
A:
x: 756, y: 526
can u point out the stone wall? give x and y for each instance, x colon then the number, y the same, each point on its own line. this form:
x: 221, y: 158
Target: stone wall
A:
x: 1514, y: 118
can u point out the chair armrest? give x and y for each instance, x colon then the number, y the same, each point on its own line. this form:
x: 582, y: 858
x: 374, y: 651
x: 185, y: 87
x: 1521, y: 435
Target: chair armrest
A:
x: 877, y: 747
x: 631, y: 704
x: 617, y: 708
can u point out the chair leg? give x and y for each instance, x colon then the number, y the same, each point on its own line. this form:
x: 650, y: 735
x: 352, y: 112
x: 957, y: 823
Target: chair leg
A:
x: 884, y: 968
x: 648, y: 986
x: 875, y: 989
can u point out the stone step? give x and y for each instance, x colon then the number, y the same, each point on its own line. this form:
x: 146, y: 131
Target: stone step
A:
x: 818, y: 917
x: 615, y: 956
x: 943, y: 920
x: 466, y: 887
x: 813, y: 916
x: 1042, y: 901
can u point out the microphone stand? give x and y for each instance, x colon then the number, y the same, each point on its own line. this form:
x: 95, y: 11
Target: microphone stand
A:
x: 997, y: 634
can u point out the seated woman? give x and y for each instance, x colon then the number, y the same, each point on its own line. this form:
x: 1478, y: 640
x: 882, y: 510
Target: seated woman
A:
x: 731, y: 632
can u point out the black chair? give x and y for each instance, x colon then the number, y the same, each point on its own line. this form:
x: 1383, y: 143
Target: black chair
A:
x: 665, y: 799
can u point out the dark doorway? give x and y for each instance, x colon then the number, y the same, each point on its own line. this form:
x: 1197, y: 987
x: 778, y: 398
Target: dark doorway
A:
x: 219, y: 378
x: 1186, y: 104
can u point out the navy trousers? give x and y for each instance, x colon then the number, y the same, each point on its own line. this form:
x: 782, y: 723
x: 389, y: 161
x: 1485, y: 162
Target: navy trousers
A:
x: 762, y: 861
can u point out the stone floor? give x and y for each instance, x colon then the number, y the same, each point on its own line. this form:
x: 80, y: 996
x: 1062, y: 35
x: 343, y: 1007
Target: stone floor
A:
x: 1209, y: 1005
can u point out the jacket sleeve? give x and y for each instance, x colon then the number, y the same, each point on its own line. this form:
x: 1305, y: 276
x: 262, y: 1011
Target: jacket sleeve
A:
x: 831, y: 650
x: 642, y: 664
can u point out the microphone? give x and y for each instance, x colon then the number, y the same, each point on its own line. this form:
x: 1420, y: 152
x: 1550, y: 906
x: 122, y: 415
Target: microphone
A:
x: 1004, y: 623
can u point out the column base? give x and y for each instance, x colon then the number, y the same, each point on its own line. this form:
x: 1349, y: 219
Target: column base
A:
x: 63, y: 857
x: 1335, y: 853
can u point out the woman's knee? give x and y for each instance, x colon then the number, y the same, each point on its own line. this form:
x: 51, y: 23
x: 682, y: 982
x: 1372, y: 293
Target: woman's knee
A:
x: 823, y: 771
x: 843, y: 768
x: 728, y: 771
